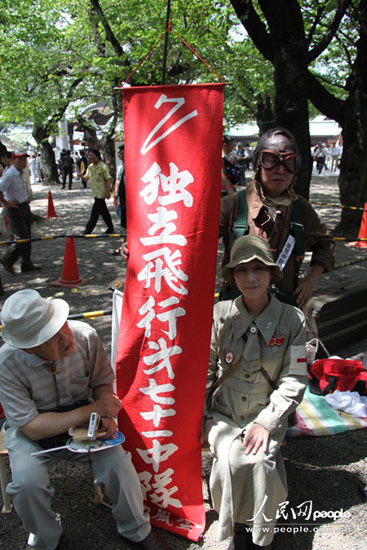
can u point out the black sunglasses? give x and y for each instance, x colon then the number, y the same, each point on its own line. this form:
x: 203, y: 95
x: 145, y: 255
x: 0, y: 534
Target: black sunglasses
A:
x: 270, y: 159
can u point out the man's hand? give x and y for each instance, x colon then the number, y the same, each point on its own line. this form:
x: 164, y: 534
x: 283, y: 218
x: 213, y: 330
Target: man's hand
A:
x: 256, y: 436
x: 227, y: 184
x: 107, y: 404
x: 109, y: 426
x: 124, y: 250
x: 11, y: 204
x: 203, y: 434
x: 306, y: 286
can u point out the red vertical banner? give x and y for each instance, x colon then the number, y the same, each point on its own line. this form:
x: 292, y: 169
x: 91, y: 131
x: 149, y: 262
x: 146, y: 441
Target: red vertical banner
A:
x: 173, y: 140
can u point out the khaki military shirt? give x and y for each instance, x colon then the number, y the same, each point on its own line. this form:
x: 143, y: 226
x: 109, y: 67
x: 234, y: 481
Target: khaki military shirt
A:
x: 276, y: 341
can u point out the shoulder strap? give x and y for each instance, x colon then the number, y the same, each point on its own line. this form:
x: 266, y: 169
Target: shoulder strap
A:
x: 298, y: 232
x: 297, y: 228
x: 241, y: 225
x: 218, y: 382
x: 292, y: 417
x: 268, y: 379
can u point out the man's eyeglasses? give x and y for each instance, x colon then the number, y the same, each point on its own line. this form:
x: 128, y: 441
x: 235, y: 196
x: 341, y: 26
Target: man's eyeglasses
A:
x: 270, y: 159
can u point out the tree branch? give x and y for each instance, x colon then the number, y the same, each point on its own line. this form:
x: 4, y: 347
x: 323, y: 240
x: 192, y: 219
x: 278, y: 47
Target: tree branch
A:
x: 316, y: 21
x: 323, y: 100
x: 109, y: 33
x: 48, y: 127
x: 327, y: 81
x: 346, y: 48
x: 255, y: 27
x: 343, y: 5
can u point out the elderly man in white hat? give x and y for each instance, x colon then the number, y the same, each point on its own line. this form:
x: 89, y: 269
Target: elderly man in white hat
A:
x: 53, y: 375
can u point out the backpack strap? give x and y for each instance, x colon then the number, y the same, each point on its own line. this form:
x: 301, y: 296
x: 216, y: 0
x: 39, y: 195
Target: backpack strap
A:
x: 298, y: 232
x: 241, y: 225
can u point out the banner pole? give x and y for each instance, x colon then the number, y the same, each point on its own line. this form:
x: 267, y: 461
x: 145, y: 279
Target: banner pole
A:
x: 166, y: 41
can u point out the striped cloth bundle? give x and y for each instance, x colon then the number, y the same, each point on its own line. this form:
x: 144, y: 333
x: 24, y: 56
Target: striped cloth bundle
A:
x: 316, y: 417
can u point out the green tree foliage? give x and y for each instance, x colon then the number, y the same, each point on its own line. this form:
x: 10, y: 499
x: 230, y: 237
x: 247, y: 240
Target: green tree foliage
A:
x: 208, y: 27
x: 41, y: 69
x: 292, y: 35
x: 62, y: 55
x: 38, y: 57
x: 71, y: 53
x: 346, y: 102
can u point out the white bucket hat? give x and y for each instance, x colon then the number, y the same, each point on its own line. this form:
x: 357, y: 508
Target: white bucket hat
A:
x: 28, y: 320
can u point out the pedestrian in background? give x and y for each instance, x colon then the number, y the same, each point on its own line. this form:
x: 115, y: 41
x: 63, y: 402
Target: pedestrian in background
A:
x: 13, y: 194
x: 66, y: 168
x: 100, y: 181
x: 120, y: 194
x: 39, y: 168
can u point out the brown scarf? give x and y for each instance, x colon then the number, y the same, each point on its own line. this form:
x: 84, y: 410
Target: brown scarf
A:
x: 285, y: 199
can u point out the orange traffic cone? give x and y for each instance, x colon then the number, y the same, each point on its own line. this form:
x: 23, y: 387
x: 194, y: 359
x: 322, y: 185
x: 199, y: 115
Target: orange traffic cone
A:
x: 51, y: 209
x: 362, y: 231
x: 70, y: 274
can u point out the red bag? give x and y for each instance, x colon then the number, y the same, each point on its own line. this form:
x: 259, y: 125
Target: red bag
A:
x: 328, y: 375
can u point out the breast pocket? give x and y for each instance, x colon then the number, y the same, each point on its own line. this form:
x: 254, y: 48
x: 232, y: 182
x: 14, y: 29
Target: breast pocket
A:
x: 79, y: 387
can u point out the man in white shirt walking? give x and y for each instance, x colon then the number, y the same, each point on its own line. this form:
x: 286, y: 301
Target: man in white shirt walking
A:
x: 13, y: 195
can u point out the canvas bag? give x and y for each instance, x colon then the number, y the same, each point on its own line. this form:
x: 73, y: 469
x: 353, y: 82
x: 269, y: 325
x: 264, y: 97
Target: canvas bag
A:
x: 328, y: 375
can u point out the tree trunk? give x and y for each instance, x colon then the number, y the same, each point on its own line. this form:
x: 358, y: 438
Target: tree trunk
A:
x: 105, y: 145
x: 108, y: 144
x: 50, y: 171
x: 108, y: 139
x: 283, y: 42
x: 90, y: 134
x: 265, y: 117
x: 291, y: 110
x: 3, y: 149
x: 47, y: 155
x: 290, y: 70
x: 353, y: 169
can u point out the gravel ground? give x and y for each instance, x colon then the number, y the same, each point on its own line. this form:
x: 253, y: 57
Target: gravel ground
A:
x: 328, y: 471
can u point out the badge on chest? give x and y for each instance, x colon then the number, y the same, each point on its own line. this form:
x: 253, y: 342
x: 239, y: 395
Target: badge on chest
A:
x: 279, y: 341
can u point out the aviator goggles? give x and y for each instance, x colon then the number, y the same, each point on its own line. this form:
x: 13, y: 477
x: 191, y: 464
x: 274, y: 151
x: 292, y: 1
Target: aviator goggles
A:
x: 270, y: 159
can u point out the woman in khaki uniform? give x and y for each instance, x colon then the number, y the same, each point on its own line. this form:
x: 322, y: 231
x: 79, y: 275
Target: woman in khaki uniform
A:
x: 248, y: 408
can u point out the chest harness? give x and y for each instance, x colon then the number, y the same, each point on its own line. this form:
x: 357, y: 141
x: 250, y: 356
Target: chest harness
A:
x: 296, y: 230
